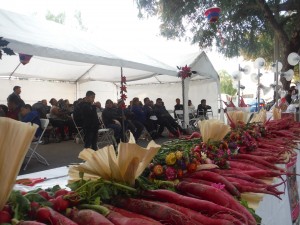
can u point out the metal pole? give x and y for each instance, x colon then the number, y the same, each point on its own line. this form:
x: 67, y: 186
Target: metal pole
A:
x: 123, y: 114
x: 276, y: 84
x: 258, y: 91
x: 239, y: 87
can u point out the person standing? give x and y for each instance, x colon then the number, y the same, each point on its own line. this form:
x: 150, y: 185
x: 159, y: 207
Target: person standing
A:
x: 90, y: 121
x: 16, y: 96
x: 16, y: 99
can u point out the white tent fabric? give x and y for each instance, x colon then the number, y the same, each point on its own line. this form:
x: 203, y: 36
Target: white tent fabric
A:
x: 45, y: 39
x: 61, y: 54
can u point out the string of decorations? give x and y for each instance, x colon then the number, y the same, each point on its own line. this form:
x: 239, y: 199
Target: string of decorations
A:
x: 123, y: 91
x: 185, y: 72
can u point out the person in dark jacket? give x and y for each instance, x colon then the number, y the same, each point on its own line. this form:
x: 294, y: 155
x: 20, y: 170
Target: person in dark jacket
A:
x: 90, y: 121
x: 165, y: 119
x: 202, y: 109
x: 111, y: 118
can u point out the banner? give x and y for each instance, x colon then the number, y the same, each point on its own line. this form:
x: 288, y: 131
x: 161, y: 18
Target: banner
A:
x: 24, y: 59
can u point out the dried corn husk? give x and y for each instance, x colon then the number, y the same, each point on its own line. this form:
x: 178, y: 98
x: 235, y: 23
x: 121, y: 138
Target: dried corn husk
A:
x: 124, y: 167
x: 238, y: 116
x: 260, y: 117
x: 276, y: 113
x: 15, y: 139
x: 213, y: 130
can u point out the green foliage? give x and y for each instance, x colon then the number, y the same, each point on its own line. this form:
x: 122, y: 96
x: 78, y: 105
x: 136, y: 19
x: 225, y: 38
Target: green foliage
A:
x: 59, y: 18
x: 4, y: 48
x: 227, y: 83
x: 245, y: 27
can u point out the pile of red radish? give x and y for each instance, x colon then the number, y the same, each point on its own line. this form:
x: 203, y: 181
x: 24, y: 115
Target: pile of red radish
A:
x: 203, y: 197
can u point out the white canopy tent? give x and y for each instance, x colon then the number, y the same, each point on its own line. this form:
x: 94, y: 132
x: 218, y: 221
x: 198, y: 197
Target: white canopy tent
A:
x: 67, y: 59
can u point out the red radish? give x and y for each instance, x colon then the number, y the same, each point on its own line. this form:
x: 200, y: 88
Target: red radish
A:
x: 193, y: 135
x: 7, y: 208
x: 258, y: 160
x: 200, y: 181
x: 61, y: 192
x: 58, y: 219
x: 119, y: 219
x: 43, y: 215
x: 205, y: 207
x: 215, y: 195
x: 131, y: 214
x: 30, y: 223
x: 5, y: 217
x: 216, y: 178
x: 88, y: 217
x: 60, y: 204
x: 205, y: 220
x: 163, y: 214
x: 44, y: 194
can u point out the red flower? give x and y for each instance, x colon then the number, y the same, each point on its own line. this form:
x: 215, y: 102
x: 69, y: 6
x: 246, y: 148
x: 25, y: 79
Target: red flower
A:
x: 123, y: 97
x: 123, y: 80
x: 123, y: 88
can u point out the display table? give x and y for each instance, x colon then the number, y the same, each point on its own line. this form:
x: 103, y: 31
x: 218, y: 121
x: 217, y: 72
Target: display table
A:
x: 272, y: 210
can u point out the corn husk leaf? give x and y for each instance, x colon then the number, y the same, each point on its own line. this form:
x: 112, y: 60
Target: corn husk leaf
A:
x: 15, y: 140
x: 125, y: 167
x: 213, y: 130
x: 276, y: 113
x: 260, y: 117
x: 238, y: 116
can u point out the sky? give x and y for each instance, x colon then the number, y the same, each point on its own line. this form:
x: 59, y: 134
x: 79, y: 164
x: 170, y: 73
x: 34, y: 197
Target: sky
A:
x: 115, y: 22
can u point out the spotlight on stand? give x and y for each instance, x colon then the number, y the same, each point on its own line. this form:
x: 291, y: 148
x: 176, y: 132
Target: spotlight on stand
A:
x: 237, y: 76
x: 273, y: 67
x: 293, y: 59
x: 259, y: 63
x: 242, y: 87
x: 265, y: 89
x: 288, y: 75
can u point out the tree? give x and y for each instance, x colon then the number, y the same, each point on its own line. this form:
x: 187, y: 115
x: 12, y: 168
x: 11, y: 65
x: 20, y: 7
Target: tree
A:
x: 226, y: 83
x: 4, y: 48
x: 59, y: 18
x: 246, y: 27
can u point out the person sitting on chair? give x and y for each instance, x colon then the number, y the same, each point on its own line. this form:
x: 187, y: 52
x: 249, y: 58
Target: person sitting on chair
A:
x: 178, y: 106
x: 202, y: 109
x: 165, y: 119
x: 31, y: 116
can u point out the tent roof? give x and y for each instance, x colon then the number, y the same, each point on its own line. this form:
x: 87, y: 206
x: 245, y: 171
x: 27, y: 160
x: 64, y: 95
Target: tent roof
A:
x: 63, y: 54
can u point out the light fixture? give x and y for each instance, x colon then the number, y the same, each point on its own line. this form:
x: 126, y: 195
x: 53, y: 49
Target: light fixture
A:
x: 288, y: 75
x: 237, y: 76
x: 293, y: 59
x: 273, y: 67
x: 265, y: 89
x: 259, y: 63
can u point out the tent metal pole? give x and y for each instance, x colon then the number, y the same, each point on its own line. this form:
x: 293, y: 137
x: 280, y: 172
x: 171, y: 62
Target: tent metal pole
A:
x: 123, y: 114
x: 14, y: 70
x: 86, y: 72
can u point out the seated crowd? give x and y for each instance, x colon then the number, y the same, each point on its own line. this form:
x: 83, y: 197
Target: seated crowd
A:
x: 89, y: 115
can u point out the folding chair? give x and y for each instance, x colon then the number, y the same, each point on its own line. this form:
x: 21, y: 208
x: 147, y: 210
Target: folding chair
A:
x: 179, y: 117
x: 34, y: 145
x: 105, y: 135
x: 80, y: 134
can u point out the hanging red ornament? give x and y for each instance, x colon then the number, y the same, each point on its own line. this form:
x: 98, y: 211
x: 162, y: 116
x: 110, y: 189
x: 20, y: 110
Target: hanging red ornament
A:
x: 213, y: 14
x: 123, y: 88
x: 123, y: 80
